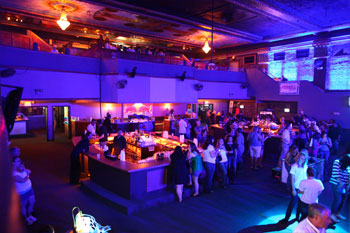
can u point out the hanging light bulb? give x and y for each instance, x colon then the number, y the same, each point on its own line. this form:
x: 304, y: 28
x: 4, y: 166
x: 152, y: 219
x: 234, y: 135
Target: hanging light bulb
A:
x: 206, y: 48
x: 63, y: 21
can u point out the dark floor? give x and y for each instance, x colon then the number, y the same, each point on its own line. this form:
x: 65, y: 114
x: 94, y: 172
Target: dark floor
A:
x: 254, y: 203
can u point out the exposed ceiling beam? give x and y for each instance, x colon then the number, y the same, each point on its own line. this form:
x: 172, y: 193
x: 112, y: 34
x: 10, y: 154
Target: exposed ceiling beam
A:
x: 263, y: 8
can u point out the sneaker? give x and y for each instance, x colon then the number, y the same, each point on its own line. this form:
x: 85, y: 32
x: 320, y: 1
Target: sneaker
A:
x: 340, y: 217
x: 29, y: 221
x: 334, y: 218
x: 33, y: 218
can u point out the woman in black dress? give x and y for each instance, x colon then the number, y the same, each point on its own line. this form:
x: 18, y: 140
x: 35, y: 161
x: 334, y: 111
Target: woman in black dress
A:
x: 180, y: 170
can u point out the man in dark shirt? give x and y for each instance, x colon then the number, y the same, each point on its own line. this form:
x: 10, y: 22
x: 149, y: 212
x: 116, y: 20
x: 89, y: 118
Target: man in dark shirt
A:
x: 108, y: 124
x: 102, y: 134
x: 119, y: 143
x: 334, y: 135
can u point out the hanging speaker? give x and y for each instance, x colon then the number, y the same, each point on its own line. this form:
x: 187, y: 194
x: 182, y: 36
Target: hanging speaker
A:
x: 132, y: 74
x: 7, y: 72
x: 198, y: 86
x: 10, y: 107
x: 121, y: 84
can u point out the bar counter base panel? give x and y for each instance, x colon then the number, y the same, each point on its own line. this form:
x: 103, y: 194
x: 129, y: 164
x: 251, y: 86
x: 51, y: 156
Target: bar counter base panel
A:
x: 129, y: 207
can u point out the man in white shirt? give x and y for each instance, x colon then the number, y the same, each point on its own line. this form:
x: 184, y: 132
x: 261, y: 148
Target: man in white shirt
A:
x: 317, y: 221
x: 182, y: 126
x: 310, y: 189
x: 92, y: 127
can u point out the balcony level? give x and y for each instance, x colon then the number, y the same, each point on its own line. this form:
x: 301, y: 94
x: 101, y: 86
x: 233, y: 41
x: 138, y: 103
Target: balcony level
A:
x: 142, y: 64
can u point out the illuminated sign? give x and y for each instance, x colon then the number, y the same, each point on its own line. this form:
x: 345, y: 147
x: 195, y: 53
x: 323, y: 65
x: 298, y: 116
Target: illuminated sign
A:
x: 289, y: 88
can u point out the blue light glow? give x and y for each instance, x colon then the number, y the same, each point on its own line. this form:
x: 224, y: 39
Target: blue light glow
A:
x: 293, y: 69
x: 338, y: 73
x: 275, y: 218
x: 306, y: 69
x: 290, y: 70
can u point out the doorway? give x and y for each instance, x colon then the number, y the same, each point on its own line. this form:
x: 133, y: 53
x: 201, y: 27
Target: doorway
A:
x: 62, y: 121
x: 36, y: 119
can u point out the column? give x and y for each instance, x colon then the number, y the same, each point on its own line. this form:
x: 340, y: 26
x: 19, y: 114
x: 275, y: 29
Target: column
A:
x: 49, y: 127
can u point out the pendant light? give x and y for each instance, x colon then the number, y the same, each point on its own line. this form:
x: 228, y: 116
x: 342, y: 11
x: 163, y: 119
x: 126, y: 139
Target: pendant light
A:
x: 206, y: 48
x: 63, y: 21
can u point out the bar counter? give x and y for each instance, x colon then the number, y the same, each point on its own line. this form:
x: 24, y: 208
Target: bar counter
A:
x: 126, y: 179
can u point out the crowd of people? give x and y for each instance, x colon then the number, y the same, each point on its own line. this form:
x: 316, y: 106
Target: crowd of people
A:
x: 206, y: 162
x: 105, y: 43
x: 313, y: 140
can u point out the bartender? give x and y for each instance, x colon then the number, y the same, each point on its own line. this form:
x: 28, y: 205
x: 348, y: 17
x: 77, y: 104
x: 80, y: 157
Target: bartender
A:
x: 119, y: 143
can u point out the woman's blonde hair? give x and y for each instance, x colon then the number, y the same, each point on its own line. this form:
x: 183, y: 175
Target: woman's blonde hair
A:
x: 299, y: 156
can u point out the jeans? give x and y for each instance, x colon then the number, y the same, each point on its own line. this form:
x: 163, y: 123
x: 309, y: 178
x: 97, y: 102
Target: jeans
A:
x: 223, y: 172
x: 338, y: 200
x: 335, y: 146
x: 239, y: 156
x: 292, y: 202
x: 231, y: 167
x: 324, y: 171
x: 209, y: 169
x: 285, y: 148
x: 303, y: 207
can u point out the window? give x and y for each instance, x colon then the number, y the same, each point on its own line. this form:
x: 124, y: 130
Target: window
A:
x: 279, y: 56
x: 302, y: 53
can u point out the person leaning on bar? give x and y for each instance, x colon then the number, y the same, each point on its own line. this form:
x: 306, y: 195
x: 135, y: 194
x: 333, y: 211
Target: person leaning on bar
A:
x: 75, y: 167
x: 119, y: 143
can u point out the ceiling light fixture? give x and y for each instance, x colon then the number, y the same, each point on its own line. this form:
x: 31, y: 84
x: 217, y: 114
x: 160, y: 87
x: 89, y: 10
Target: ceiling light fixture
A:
x: 64, y: 7
x: 206, y: 48
x: 63, y: 21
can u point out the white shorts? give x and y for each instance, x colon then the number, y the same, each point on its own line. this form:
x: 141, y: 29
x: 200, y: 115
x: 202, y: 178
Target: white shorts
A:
x: 255, y: 151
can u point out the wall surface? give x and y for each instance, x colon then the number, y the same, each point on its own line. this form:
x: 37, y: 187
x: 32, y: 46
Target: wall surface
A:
x: 16, y: 57
x: 222, y: 90
x: 316, y: 103
x: 41, y: 84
